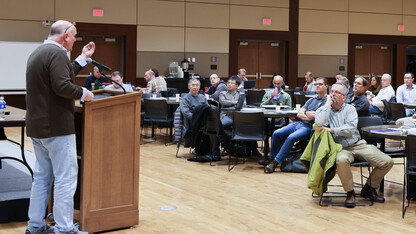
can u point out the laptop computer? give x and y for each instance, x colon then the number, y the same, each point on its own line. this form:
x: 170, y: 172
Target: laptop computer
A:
x: 240, y: 101
x: 249, y: 84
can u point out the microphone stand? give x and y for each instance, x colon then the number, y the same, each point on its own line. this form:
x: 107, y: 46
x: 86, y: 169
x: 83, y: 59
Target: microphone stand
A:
x: 111, y: 80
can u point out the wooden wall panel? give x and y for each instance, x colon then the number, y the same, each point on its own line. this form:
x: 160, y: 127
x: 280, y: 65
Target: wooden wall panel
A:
x: 323, y: 44
x: 271, y: 3
x: 336, y: 5
x: 22, y: 31
x: 152, y: 38
x: 246, y: 17
x: 376, y: 6
x: 207, y: 15
x: 365, y: 23
x: 409, y: 25
x: 409, y: 7
x: 115, y: 12
x: 162, y: 13
x: 27, y: 10
x: 321, y: 65
x: 207, y: 40
x: 323, y: 21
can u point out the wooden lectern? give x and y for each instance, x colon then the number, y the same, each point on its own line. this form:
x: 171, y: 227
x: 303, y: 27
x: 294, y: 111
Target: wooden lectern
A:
x: 109, y: 168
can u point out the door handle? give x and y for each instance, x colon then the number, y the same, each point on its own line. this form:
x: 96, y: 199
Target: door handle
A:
x: 257, y: 75
x: 260, y: 76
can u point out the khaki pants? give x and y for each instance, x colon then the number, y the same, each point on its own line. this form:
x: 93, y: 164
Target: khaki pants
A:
x: 362, y: 151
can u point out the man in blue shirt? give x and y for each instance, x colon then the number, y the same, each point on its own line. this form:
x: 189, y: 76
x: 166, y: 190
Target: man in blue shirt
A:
x: 284, y: 138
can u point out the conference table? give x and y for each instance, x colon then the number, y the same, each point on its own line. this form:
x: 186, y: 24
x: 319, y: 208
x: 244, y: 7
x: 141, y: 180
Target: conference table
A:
x: 16, y: 118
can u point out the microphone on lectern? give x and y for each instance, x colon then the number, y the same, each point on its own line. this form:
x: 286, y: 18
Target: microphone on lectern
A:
x: 99, y: 65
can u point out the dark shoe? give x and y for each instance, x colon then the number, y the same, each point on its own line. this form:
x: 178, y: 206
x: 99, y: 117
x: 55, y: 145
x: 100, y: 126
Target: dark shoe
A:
x: 350, y: 200
x: 271, y: 166
x: 256, y: 153
x: 39, y: 230
x: 371, y: 193
x: 265, y: 161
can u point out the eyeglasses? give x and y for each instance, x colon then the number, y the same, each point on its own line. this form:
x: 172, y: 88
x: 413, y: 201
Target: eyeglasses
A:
x: 319, y: 84
x: 231, y: 82
x: 337, y: 92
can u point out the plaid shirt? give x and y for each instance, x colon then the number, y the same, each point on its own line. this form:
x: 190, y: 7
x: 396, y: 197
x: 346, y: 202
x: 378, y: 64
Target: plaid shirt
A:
x: 155, y: 86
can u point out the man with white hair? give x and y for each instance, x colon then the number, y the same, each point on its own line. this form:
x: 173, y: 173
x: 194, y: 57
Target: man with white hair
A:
x: 386, y: 93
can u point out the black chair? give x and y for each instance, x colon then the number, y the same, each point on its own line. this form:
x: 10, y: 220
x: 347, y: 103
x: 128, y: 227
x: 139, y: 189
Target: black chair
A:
x: 300, y: 99
x: 298, y: 89
x: 254, y: 96
x: 409, y: 185
x: 247, y: 127
x: 170, y: 92
x: 397, y: 110
x: 387, y: 113
x: 156, y: 111
x: 213, y: 129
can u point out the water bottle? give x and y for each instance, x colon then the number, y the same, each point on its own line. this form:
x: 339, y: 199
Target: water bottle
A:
x: 277, y: 96
x: 2, y: 108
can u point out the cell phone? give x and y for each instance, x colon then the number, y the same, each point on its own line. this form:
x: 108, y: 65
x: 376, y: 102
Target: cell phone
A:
x: 7, y: 112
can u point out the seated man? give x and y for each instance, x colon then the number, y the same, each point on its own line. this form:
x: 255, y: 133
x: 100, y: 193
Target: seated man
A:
x: 153, y: 85
x: 357, y: 98
x: 96, y: 77
x: 341, y: 120
x: 118, y: 77
x: 229, y: 98
x: 217, y: 86
x: 277, y: 96
x: 406, y: 93
x: 284, y: 138
x: 386, y: 93
x: 191, y: 100
x: 161, y: 79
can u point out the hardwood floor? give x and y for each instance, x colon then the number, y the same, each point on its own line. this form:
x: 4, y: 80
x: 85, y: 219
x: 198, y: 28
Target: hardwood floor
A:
x: 245, y: 200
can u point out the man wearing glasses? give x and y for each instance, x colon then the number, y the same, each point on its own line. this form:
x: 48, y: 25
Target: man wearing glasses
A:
x: 50, y: 123
x: 284, y: 138
x: 406, y: 93
x: 341, y: 120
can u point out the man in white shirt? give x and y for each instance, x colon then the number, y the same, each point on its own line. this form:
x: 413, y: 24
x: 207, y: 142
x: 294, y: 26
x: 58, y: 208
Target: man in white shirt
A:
x: 406, y: 93
x: 386, y: 92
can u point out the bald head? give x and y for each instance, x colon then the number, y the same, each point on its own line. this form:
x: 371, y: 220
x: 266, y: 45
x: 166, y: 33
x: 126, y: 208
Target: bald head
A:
x: 60, y: 27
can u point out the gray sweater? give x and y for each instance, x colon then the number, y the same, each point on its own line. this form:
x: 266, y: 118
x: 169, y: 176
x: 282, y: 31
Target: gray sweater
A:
x: 344, y: 123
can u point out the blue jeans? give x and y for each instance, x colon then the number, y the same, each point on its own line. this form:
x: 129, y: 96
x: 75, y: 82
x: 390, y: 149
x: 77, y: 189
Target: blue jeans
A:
x: 56, y: 161
x: 374, y: 110
x: 227, y: 122
x: 284, y: 138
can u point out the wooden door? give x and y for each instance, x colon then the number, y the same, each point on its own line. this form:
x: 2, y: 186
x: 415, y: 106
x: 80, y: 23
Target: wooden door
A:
x: 107, y: 52
x: 261, y: 59
x: 248, y: 57
x: 270, y: 61
x: 372, y: 60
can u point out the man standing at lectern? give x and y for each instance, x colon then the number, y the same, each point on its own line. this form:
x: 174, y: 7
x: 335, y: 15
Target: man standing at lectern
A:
x: 50, y: 123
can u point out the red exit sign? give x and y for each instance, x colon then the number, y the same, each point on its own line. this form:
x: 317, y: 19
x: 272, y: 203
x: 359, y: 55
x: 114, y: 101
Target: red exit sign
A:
x: 267, y: 21
x: 98, y: 12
